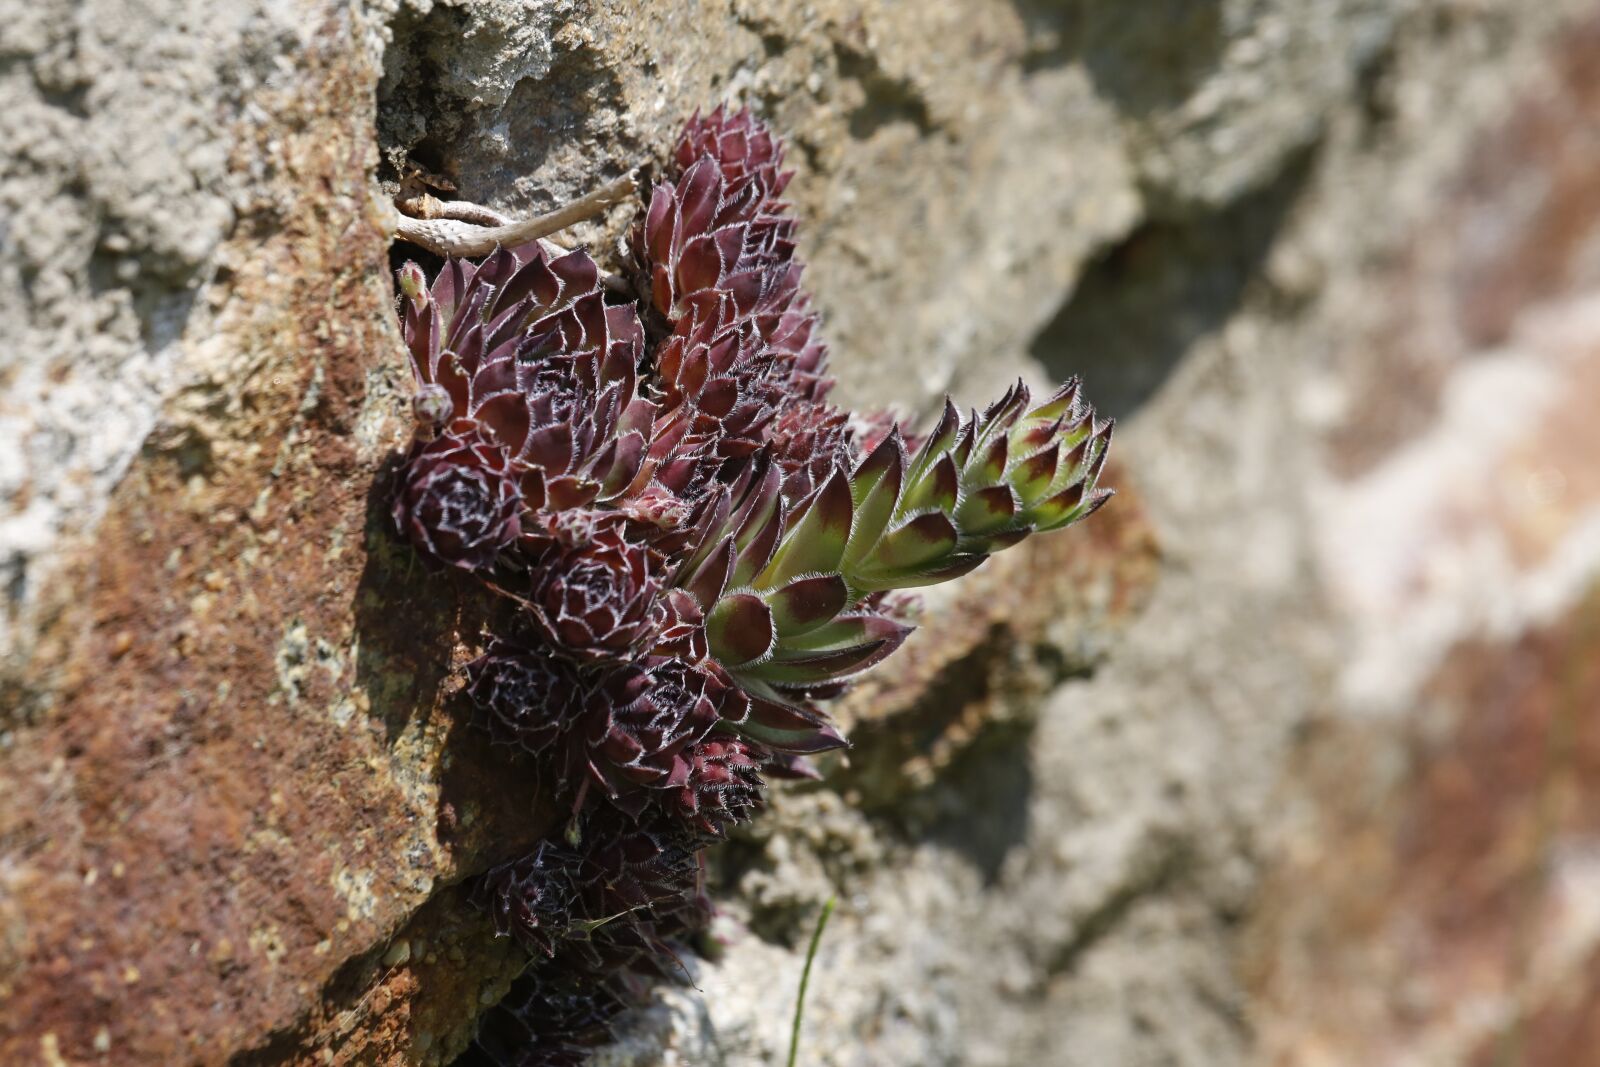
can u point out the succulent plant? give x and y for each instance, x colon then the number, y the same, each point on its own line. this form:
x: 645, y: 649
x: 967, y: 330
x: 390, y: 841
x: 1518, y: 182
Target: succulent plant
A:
x: 599, y: 601
x: 724, y: 784
x: 746, y: 153
x: 459, y: 500
x: 973, y: 487
x: 538, y: 899
x: 720, y: 258
x: 552, y: 1017
x: 719, y: 226
x: 798, y: 349
x: 611, y: 901
x: 528, y: 696
x: 526, y: 348
x: 809, y: 440
x: 695, y: 547
x: 786, y: 595
x: 642, y: 720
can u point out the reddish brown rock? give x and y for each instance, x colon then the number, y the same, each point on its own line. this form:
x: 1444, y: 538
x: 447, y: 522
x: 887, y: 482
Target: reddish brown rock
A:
x: 242, y: 782
x: 1450, y: 918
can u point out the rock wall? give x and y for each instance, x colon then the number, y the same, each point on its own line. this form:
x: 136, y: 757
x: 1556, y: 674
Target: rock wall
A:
x: 1287, y: 757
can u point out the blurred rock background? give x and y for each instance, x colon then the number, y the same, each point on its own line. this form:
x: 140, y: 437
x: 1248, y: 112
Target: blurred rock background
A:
x: 1291, y: 757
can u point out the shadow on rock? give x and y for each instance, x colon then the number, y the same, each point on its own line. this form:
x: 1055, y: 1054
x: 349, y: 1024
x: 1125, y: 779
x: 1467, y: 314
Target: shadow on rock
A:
x: 409, y: 618
x: 1146, y: 302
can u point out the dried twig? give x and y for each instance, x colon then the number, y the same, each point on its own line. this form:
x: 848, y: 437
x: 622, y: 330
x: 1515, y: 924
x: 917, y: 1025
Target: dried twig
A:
x: 456, y: 237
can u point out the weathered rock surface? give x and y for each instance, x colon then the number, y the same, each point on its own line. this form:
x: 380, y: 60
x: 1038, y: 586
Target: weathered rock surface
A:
x: 1284, y: 758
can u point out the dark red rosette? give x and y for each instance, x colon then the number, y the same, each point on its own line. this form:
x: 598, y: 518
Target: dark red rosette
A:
x: 599, y: 602
x: 809, y: 440
x: 720, y: 224
x: 554, y: 1016
x: 459, y: 500
x: 525, y: 346
x: 748, y: 156
x: 643, y: 716
x: 609, y: 901
x: 528, y: 697
x: 724, y: 783
x: 536, y: 899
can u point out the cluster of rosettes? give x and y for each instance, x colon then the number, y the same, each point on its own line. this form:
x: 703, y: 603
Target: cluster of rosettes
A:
x: 697, y: 544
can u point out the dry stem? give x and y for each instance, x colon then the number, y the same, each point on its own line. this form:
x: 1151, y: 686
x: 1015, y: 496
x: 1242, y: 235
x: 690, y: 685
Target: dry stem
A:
x: 454, y: 237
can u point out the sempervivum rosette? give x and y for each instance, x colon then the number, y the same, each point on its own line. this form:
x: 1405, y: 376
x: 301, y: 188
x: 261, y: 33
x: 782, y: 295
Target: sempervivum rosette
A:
x: 707, y: 231
x: 528, y: 696
x: 537, y: 899
x: 599, y: 601
x: 748, y: 156
x: 640, y: 722
x: 723, y: 783
x: 526, y: 348
x: 459, y: 499
x: 717, y: 379
x: 554, y: 1016
x: 611, y: 899
x: 809, y: 440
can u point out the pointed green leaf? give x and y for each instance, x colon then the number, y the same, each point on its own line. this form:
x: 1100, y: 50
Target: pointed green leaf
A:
x: 1056, y: 511
x: 1032, y: 437
x: 817, y: 542
x: 1033, y: 477
x: 946, y: 571
x: 759, y: 505
x: 711, y: 578
x: 943, y: 570
x: 1087, y: 503
x: 740, y: 629
x: 822, y: 667
x: 1003, y: 412
x: 987, y: 510
x: 785, y: 722
x: 843, y: 632
x: 887, y: 460
x: 780, y: 711
x: 801, y: 742
x: 938, y: 441
x: 876, y: 509
x: 919, y: 542
x: 961, y: 450
x: 807, y: 603
x: 992, y: 460
x: 758, y: 522
x: 1071, y: 467
x: 707, y: 525
x: 763, y: 541
x: 1062, y: 402
x: 1096, y: 501
x: 938, y: 490
x: 1101, y: 448
x: 989, y: 544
